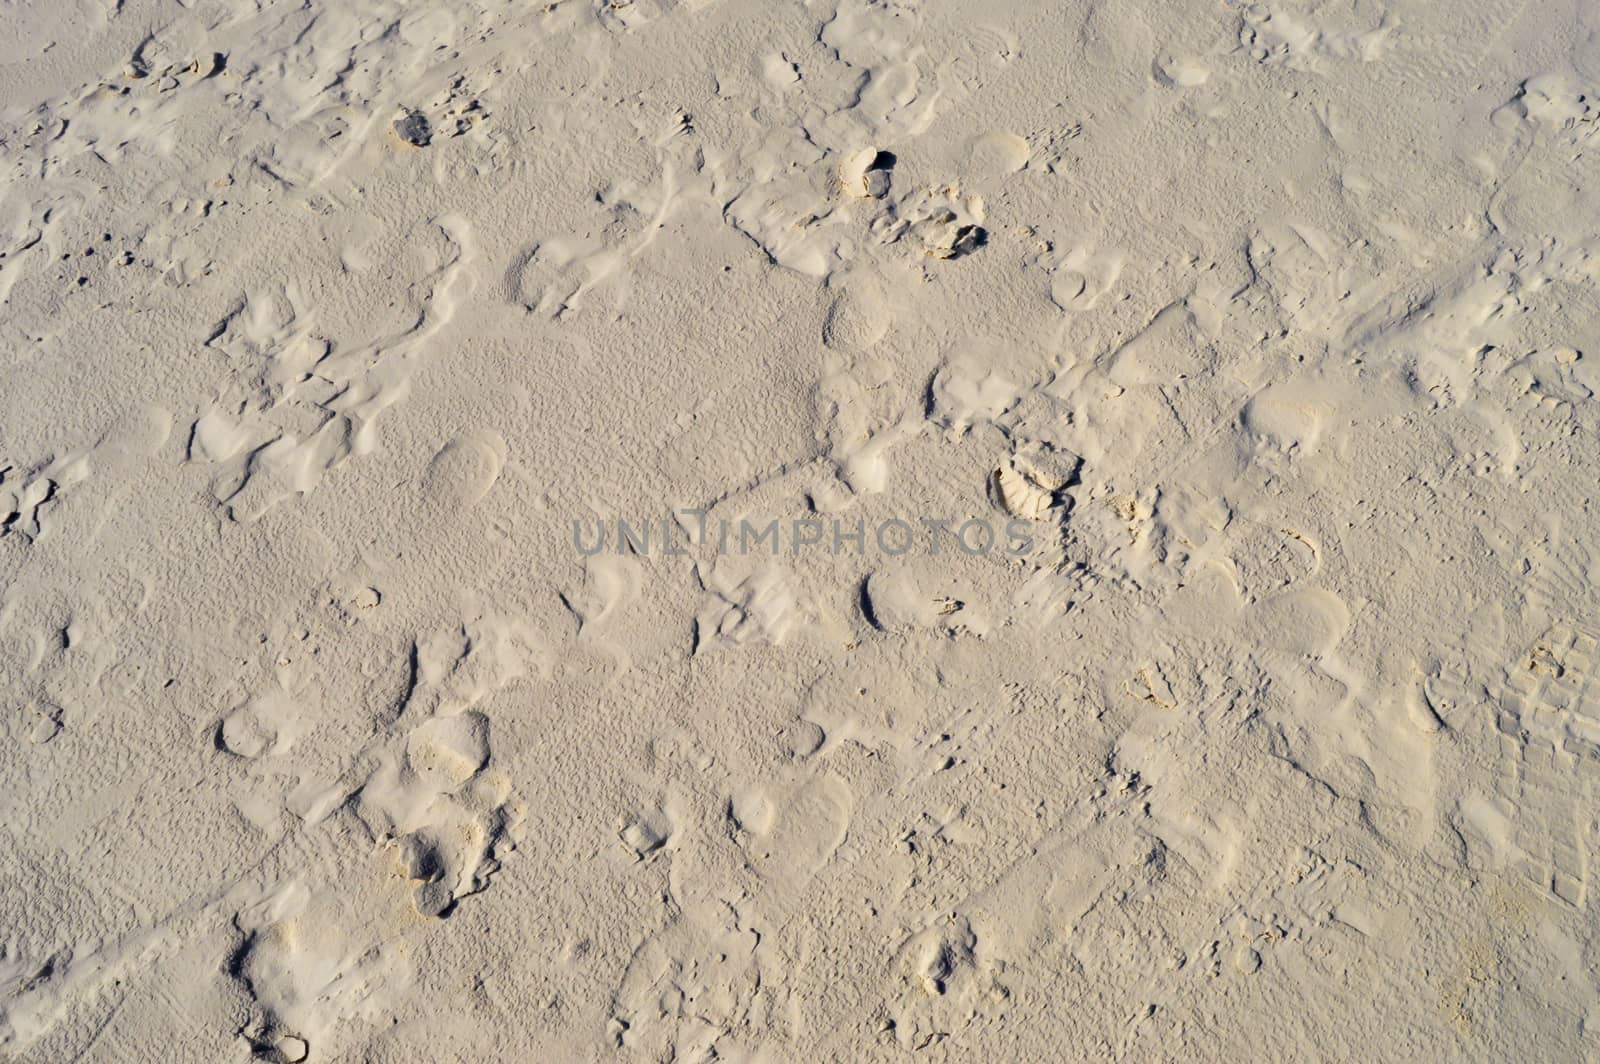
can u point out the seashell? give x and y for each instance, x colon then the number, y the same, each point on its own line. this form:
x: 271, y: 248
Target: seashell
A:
x: 1027, y: 490
x: 957, y: 240
x: 1020, y: 495
x: 865, y: 173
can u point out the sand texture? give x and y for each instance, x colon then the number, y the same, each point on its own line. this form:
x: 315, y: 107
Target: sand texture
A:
x: 799, y: 530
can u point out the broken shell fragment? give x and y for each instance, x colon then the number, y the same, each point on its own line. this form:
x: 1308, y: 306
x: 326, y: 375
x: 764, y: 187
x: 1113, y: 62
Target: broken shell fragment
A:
x: 865, y: 173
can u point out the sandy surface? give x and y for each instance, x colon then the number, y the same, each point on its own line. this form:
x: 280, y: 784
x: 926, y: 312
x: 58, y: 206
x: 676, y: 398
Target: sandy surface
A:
x: 1108, y: 563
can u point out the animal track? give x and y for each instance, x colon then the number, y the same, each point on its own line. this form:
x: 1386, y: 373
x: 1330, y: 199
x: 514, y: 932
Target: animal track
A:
x: 295, y: 404
x: 761, y: 605
x: 25, y: 494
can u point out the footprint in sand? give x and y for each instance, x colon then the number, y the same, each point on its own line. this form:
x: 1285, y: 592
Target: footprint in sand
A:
x: 464, y: 470
x: 1549, y: 723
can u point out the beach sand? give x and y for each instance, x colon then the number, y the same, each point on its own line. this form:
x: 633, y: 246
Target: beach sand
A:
x: 846, y: 530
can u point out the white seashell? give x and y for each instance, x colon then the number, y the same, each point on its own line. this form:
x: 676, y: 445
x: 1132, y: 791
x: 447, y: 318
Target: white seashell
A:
x: 1024, y: 492
x: 1029, y: 485
x: 863, y: 175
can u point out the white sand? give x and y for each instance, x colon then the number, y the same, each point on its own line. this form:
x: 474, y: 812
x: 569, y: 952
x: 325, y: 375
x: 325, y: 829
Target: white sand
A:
x: 1270, y: 332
